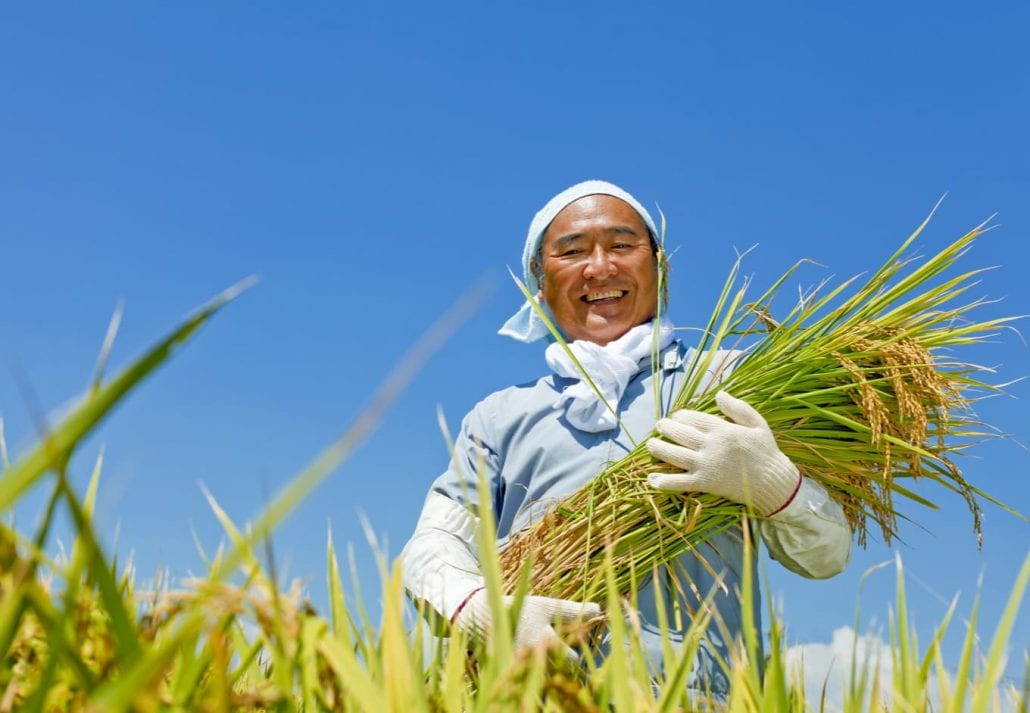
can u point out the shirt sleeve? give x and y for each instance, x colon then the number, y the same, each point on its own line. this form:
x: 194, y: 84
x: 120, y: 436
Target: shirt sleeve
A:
x: 811, y: 535
x: 440, y: 564
x: 474, y: 454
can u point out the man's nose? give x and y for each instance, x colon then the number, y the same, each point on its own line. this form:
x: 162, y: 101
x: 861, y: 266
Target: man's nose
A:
x: 599, y: 264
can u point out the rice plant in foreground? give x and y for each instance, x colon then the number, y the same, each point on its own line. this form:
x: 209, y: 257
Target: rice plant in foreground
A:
x: 861, y: 386
x: 78, y: 634
x: 250, y: 647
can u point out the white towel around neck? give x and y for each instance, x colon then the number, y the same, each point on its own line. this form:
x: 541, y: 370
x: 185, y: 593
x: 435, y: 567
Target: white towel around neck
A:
x: 610, y: 367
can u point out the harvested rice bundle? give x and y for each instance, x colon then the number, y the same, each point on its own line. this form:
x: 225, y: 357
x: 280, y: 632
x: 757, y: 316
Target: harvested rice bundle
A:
x: 860, y: 391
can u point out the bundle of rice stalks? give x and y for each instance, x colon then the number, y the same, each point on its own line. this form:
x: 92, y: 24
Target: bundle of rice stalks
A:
x: 857, y: 382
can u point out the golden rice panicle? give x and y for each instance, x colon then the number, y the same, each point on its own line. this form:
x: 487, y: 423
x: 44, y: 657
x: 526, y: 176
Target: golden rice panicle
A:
x: 902, y: 394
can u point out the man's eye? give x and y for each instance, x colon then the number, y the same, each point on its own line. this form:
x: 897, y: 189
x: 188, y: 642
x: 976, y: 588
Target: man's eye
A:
x: 569, y: 252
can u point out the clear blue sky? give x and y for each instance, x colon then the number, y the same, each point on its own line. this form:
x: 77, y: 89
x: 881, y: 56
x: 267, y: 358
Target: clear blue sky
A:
x: 372, y: 160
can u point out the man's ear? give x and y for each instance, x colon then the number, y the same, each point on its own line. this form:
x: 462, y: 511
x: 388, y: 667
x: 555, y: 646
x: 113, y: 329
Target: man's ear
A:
x: 534, y: 269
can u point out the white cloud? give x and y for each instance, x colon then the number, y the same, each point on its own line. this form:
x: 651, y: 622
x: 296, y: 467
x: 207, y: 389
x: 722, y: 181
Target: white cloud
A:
x: 830, y: 664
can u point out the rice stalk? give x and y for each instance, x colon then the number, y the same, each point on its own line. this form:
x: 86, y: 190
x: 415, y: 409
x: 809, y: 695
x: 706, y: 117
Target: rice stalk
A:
x: 860, y: 386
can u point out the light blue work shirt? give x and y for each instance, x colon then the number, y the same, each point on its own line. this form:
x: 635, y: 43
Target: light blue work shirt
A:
x: 533, y: 457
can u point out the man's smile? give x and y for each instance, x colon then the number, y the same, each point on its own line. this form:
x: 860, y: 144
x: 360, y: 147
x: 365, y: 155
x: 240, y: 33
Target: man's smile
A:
x: 607, y: 296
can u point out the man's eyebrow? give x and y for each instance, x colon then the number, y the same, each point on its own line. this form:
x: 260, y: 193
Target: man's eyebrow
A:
x: 564, y: 240
x: 623, y: 229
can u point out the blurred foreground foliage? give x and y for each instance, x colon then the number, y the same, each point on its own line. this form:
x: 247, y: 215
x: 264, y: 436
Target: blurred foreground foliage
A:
x: 77, y: 634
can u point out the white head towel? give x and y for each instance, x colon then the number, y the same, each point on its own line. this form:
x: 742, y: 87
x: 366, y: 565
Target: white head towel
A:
x: 526, y: 325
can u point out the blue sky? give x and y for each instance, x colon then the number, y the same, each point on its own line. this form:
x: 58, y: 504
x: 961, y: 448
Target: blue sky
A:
x: 371, y: 161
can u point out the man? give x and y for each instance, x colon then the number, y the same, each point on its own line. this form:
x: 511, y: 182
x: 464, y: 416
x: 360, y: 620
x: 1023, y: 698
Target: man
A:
x: 591, y: 257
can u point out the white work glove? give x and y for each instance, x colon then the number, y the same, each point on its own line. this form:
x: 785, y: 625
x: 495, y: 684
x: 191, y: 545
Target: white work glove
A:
x: 736, y: 460
x: 535, y: 619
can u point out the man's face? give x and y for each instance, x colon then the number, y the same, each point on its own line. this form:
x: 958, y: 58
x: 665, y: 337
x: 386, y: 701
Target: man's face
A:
x: 599, y: 274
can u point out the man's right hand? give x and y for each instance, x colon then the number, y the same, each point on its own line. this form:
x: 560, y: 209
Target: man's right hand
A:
x: 535, y: 623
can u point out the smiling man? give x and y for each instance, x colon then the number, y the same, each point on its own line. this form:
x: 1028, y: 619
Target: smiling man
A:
x: 591, y: 256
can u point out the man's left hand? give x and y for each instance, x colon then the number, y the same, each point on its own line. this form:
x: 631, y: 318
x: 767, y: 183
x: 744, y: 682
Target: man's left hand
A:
x: 737, y: 460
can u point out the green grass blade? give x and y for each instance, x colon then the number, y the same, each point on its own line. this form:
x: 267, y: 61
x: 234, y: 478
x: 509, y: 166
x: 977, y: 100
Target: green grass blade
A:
x: 351, y: 676
x: 59, y: 443
x: 963, y: 671
x: 396, y: 381
x: 5, y: 462
x: 339, y: 618
x: 996, y: 655
x: 311, y: 630
x: 560, y: 339
x: 111, y: 594
x: 107, y: 345
x: 118, y: 694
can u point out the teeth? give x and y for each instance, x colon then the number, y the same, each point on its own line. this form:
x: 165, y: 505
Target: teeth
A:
x: 604, y: 295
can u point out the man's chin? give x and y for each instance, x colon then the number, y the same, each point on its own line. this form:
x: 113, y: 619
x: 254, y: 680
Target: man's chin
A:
x: 605, y: 332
